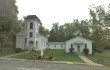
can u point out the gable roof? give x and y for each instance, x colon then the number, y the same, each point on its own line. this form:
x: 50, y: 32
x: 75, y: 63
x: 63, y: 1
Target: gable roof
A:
x: 20, y: 33
x: 79, y: 37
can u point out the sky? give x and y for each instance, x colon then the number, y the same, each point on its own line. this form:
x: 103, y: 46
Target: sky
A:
x: 62, y: 11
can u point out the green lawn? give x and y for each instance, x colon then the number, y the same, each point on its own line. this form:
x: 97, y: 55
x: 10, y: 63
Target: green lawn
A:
x: 105, y: 55
x: 59, y: 55
x: 7, y: 51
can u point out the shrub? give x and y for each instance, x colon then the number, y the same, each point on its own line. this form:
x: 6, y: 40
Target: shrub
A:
x: 39, y: 57
x: 99, y: 51
x: 18, y: 50
x: 86, y: 50
x: 93, y: 52
x: 71, y: 50
x: 107, y: 47
x: 33, y: 50
x: 35, y: 57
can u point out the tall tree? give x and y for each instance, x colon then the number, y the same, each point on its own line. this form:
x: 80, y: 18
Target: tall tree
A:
x: 43, y: 30
x: 8, y: 20
x: 97, y: 14
x: 54, y: 33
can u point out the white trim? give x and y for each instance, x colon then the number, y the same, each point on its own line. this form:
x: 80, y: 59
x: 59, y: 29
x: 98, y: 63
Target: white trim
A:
x: 79, y: 37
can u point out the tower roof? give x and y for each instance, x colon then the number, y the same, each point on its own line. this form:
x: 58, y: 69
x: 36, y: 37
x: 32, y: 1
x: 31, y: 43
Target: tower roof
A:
x: 33, y: 17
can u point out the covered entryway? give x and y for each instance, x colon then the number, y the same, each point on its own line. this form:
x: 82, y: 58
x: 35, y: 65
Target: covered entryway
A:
x: 78, y: 48
x: 79, y: 43
x: 31, y: 44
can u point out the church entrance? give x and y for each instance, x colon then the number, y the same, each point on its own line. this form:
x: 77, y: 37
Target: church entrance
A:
x: 31, y: 43
x: 78, y: 48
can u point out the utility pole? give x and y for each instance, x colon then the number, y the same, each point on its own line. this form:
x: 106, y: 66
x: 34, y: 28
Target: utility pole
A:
x: 24, y: 38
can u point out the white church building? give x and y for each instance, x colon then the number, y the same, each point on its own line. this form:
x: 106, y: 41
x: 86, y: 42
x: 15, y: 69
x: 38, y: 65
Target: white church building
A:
x: 34, y: 40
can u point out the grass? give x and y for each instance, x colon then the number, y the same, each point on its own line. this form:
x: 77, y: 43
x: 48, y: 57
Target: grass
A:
x: 105, y: 55
x: 59, y: 55
x: 7, y: 51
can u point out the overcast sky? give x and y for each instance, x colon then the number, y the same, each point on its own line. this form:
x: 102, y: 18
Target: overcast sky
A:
x: 62, y: 11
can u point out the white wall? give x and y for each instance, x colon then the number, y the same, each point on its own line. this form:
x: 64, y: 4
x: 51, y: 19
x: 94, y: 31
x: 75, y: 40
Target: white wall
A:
x: 42, y: 42
x: 34, y: 30
x: 75, y: 47
x: 82, y: 45
x: 56, y: 45
x: 20, y: 41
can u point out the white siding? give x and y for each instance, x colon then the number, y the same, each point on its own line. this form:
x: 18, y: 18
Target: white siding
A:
x: 56, y: 45
x: 20, y: 41
x: 37, y: 37
x: 82, y: 45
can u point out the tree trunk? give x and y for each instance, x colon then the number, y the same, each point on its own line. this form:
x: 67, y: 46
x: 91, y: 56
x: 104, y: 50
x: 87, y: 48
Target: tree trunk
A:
x: 1, y: 48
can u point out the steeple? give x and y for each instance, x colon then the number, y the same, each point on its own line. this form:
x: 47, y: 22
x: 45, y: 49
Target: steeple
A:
x: 32, y: 22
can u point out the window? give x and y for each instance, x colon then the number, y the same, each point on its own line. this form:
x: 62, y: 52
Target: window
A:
x: 44, y: 42
x: 61, y: 46
x: 36, y: 34
x: 71, y: 45
x: 31, y: 25
x: 31, y: 34
x: 54, y: 45
x: 85, y: 45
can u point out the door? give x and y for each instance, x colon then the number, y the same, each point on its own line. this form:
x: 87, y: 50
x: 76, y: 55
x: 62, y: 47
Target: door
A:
x: 78, y: 48
x: 31, y: 43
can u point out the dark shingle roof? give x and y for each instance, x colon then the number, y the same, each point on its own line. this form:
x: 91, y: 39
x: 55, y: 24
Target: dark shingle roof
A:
x: 32, y: 17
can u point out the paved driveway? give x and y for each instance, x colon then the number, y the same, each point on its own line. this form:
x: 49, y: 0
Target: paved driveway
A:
x: 29, y: 65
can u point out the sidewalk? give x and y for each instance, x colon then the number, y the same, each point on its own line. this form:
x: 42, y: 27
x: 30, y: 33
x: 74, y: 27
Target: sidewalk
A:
x: 13, y: 55
x: 89, y: 62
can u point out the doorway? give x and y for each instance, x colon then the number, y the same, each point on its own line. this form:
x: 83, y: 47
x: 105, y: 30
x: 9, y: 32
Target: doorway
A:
x: 30, y: 45
x: 78, y: 48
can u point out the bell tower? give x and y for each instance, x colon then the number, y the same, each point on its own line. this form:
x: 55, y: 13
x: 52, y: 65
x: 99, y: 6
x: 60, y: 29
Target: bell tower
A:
x: 32, y: 28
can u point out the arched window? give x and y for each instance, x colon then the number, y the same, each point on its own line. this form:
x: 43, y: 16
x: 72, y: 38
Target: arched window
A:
x: 31, y: 25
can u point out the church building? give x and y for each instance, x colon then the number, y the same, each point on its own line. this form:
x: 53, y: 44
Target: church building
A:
x: 32, y: 39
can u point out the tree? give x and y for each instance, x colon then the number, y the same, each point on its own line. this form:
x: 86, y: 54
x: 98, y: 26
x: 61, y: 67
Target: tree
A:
x: 97, y: 14
x: 8, y: 20
x: 85, y: 29
x: 54, y: 33
x: 43, y: 30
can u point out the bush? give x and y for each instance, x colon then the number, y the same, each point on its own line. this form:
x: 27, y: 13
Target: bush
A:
x: 18, y: 50
x: 86, y: 51
x: 99, y: 51
x: 71, y: 50
x: 107, y: 47
x: 93, y: 52
x: 39, y: 57
x: 35, y: 57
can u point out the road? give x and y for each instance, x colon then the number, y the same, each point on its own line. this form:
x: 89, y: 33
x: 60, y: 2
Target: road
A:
x: 29, y: 65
